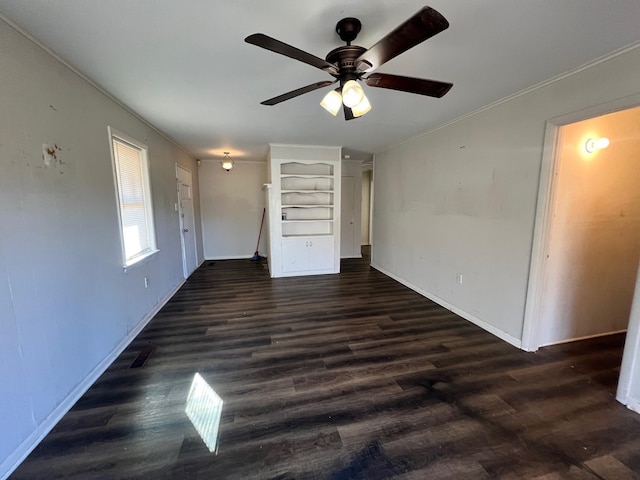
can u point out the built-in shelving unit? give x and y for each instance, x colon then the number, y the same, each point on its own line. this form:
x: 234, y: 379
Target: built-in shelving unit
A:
x: 304, y: 210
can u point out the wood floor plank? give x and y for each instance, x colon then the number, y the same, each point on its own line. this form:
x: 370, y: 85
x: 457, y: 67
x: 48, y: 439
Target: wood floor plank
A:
x: 349, y: 376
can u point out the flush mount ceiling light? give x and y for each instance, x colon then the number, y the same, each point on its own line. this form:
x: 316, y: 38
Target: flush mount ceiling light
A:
x: 227, y: 163
x: 350, y: 64
x: 594, y: 144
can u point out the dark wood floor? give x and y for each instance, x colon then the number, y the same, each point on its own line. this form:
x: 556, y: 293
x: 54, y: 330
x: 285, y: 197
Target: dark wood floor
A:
x: 349, y: 376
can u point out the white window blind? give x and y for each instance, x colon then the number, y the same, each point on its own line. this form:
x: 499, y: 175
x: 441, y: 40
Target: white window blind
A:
x: 134, y: 198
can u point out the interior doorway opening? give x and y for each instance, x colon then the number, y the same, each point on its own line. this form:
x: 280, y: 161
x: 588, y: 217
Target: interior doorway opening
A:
x: 186, y: 215
x: 586, y: 248
x: 594, y: 238
x: 367, y: 208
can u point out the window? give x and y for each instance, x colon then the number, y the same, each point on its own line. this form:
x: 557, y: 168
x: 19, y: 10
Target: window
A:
x: 131, y: 169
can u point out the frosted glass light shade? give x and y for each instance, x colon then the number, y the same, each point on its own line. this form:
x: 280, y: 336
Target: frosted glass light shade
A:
x: 352, y: 93
x: 594, y: 144
x: 332, y: 102
x: 227, y: 165
x: 361, y: 108
x: 226, y: 162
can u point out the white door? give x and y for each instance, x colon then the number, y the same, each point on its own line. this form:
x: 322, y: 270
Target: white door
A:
x: 187, y: 220
x: 347, y: 213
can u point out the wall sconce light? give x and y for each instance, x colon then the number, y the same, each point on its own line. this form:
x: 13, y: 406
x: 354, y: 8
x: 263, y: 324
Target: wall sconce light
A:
x: 594, y: 144
x: 227, y: 163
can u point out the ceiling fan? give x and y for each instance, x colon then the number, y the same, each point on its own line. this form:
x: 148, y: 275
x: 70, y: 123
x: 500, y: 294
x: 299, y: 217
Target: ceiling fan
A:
x: 351, y: 63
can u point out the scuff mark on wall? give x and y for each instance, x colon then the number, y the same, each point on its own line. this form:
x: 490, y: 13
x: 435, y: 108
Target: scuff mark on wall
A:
x: 50, y: 155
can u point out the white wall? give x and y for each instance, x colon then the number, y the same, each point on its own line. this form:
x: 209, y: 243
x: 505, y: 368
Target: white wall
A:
x: 66, y: 305
x: 232, y: 204
x: 595, y: 230
x: 462, y: 199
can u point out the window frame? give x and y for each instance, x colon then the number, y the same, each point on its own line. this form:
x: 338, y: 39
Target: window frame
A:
x: 147, y: 197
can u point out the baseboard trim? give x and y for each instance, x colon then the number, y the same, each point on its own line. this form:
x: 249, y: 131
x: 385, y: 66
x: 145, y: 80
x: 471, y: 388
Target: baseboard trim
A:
x: 26, y: 447
x: 632, y: 404
x: 586, y: 337
x: 232, y: 257
x: 516, y: 342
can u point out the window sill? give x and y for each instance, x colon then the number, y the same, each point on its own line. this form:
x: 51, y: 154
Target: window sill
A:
x: 139, y: 261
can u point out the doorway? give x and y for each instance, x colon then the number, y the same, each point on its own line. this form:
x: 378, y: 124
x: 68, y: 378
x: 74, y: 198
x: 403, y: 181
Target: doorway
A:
x: 574, y: 263
x: 367, y: 184
x: 347, y: 218
x: 594, y: 237
x: 187, y: 220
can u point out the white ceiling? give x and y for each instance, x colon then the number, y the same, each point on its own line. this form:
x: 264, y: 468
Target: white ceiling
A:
x: 185, y: 68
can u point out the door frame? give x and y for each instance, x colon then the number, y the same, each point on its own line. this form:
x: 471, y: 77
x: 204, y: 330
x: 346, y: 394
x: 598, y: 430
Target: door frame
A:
x: 350, y: 218
x: 540, y: 245
x: 185, y: 269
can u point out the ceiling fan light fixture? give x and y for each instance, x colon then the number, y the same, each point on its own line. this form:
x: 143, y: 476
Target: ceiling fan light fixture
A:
x: 332, y: 102
x: 352, y: 93
x: 363, y: 107
x: 347, y: 64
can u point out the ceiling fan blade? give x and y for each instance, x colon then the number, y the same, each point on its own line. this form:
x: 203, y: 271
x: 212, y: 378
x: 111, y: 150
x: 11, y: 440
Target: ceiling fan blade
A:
x: 423, y: 25
x: 421, y: 86
x: 298, y: 92
x: 348, y: 113
x: 269, y: 43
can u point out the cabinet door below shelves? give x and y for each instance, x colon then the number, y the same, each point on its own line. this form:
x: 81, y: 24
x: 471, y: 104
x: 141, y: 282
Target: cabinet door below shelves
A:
x: 307, y: 254
x: 295, y: 255
x: 321, y: 253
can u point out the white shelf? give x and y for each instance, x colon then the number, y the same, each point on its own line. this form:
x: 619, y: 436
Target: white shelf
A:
x: 308, y: 220
x: 297, y: 169
x: 307, y: 235
x: 299, y: 190
x: 305, y: 210
x: 306, y: 205
x: 301, y: 175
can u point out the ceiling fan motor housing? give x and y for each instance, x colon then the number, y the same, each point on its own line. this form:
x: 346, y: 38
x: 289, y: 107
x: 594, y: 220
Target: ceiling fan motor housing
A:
x: 344, y: 58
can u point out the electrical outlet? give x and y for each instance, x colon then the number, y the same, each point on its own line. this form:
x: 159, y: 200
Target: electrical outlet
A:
x: 146, y: 282
x: 459, y: 278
